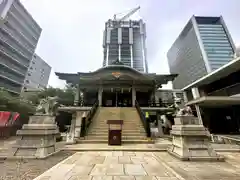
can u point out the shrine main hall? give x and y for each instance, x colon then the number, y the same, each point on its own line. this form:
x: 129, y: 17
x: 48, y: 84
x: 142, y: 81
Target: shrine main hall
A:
x: 116, y: 85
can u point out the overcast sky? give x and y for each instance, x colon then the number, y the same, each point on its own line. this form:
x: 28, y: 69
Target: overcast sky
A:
x: 71, y: 40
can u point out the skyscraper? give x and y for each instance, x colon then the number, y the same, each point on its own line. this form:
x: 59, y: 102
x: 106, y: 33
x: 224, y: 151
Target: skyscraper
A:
x: 38, y: 74
x: 203, y: 46
x: 125, y: 41
x: 19, y: 34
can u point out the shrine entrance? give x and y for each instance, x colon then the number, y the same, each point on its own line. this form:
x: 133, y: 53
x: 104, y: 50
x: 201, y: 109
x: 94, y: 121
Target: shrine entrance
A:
x: 117, y: 97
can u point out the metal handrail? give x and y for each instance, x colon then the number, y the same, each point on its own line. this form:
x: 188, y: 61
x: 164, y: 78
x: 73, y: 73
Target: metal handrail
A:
x: 143, y: 119
x: 86, y: 121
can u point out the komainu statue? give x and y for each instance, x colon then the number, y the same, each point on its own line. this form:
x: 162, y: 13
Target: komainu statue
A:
x: 48, y: 106
x: 186, y: 111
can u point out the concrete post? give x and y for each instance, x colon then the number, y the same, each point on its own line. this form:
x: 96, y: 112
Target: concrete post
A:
x: 78, y: 124
x: 185, y: 99
x: 133, y: 96
x: 100, y: 91
x: 196, y: 95
x: 71, y: 134
x: 160, y: 130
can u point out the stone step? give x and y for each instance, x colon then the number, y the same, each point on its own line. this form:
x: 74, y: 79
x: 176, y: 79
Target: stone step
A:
x: 123, y: 137
x: 124, y: 124
x: 124, y: 134
x: 136, y: 120
x: 94, y: 141
x: 128, y: 123
x: 123, y: 131
x: 123, y: 127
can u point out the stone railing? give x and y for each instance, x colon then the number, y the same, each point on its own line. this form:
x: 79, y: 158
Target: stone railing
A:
x: 143, y: 119
x: 86, y: 121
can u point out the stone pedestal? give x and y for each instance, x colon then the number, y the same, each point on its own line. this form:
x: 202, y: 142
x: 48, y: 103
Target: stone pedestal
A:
x: 190, y: 141
x: 37, y: 138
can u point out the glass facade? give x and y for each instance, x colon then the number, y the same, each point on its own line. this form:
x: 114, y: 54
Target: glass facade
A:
x: 216, y: 45
x: 185, y: 58
x: 125, y: 42
x: 203, y: 46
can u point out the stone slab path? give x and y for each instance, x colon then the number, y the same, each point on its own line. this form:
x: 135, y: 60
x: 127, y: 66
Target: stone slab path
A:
x: 110, y: 165
x: 228, y: 170
x: 125, y: 165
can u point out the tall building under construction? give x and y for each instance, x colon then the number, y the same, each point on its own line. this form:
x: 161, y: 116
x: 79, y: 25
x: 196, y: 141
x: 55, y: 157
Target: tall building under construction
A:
x: 124, y: 40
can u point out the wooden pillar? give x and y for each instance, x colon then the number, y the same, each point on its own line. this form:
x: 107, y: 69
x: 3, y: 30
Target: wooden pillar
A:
x: 100, y: 91
x: 133, y: 96
x: 77, y: 96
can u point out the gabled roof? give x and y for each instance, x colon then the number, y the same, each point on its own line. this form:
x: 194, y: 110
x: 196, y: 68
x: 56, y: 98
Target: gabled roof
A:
x: 106, y: 72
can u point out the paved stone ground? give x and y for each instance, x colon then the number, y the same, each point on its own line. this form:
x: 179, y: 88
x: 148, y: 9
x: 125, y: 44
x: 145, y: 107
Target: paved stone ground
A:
x: 29, y: 169
x: 117, y: 165
x: 228, y: 170
x: 110, y: 165
x: 121, y: 165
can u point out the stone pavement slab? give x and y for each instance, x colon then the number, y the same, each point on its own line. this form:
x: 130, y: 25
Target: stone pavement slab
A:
x: 134, y: 170
x: 124, y: 147
x: 121, y: 165
x: 203, y: 170
x: 110, y: 165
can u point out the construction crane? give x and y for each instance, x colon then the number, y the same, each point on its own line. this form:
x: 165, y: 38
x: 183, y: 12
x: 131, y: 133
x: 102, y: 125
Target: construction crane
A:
x: 131, y: 12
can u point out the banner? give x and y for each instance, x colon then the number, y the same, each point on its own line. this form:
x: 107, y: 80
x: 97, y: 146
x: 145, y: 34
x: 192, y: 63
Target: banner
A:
x: 5, y: 5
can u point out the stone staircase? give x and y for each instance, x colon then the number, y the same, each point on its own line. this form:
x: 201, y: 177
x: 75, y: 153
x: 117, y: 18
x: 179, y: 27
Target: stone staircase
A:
x: 133, y: 130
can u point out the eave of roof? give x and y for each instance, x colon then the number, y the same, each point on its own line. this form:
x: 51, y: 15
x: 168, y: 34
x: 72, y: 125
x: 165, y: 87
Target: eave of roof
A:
x: 74, y: 77
x: 215, y: 101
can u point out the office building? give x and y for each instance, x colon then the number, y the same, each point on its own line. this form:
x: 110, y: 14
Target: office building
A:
x: 203, y: 46
x: 125, y: 41
x: 38, y: 74
x: 19, y: 35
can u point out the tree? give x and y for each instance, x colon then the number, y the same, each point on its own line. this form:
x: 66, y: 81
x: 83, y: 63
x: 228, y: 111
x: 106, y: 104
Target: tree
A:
x: 13, y: 103
x: 66, y: 95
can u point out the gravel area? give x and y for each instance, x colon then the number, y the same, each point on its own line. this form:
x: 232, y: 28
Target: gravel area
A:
x: 28, y: 169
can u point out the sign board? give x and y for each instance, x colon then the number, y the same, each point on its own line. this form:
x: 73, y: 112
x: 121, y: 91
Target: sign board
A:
x: 5, y: 5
